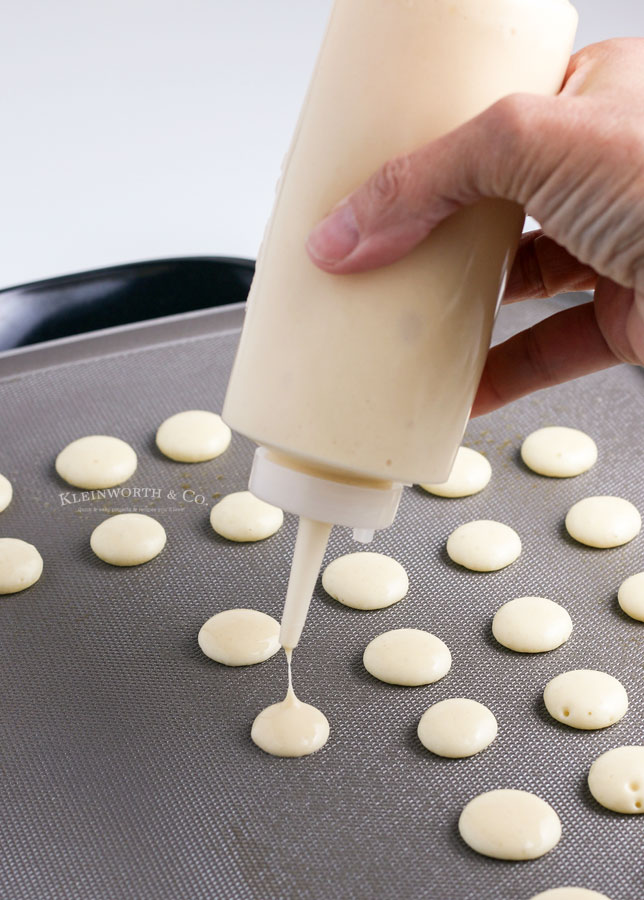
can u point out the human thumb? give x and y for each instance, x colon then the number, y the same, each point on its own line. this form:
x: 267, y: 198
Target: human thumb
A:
x: 504, y: 152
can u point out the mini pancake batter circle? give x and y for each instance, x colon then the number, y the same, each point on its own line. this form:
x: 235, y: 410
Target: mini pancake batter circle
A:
x: 616, y: 779
x: 96, y: 462
x: 407, y: 656
x: 365, y: 580
x: 290, y: 728
x: 484, y: 545
x: 457, y: 728
x: 559, y: 452
x: 20, y: 565
x: 603, y: 522
x: 586, y: 699
x: 630, y: 596
x: 128, y: 539
x: 240, y: 637
x: 531, y: 625
x: 509, y: 824
x: 194, y: 435
x: 470, y: 473
x: 6, y: 493
x: 243, y: 517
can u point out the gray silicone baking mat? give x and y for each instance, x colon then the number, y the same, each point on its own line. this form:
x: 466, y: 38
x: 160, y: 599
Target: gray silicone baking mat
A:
x: 127, y: 768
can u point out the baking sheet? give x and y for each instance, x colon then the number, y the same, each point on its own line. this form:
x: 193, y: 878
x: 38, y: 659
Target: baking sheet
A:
x: 127, y: 768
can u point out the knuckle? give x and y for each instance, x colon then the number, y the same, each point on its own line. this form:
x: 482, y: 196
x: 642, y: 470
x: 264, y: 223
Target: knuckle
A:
x: 507, y: 131
x: 510, y: 116
x: 389, y: 182
x: 631, y: 135
x: 538, y: 359
x: 610, y: 227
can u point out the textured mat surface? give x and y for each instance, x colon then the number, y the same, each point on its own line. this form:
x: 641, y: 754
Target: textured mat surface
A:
x: 127, y: 768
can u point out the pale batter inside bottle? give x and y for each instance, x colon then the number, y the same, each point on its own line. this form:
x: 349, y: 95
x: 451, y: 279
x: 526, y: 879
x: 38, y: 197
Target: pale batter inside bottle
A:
x: 354, y: 385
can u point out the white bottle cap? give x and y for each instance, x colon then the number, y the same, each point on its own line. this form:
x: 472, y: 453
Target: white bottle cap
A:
x: 362, y: 508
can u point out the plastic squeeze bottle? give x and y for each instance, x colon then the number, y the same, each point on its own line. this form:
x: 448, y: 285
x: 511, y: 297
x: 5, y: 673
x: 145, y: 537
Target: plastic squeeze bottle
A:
x: 354, y: 385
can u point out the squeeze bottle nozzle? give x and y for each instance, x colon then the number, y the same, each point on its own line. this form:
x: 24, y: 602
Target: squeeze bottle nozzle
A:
x: 321, y: 500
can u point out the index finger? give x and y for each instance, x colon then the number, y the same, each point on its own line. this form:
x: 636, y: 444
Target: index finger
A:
x: 566, y: 345
x: 543, y: 268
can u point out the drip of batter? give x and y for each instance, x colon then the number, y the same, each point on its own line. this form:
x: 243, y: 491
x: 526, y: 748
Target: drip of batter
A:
x: 290, y: 728
x: 310, y: 544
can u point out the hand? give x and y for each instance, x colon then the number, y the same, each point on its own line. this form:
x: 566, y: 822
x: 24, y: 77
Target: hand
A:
x: 576, y: 163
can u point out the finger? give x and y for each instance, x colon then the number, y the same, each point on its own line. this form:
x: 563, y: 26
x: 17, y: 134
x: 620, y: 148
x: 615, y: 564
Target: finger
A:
x: 493, y: 155
x: 609, y: 67
x: 557, y: 349
x: 543, y: 268
x: 620, y: 314
x: 635, y: 328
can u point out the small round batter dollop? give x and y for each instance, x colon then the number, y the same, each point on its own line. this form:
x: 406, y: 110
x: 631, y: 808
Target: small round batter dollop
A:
x: 290, y: 728
x: 569, y: 893
x: 484, y: 545
x: 20, y: 565
x: 457, y: 727
x: 242, y: 517
x: 128, y: 539
x: 407, y: 656
x: 559, y: 452
x: 586, y: 699
x: 240, y: 637
x: 531, y: 625
x: 470, y: 473
x: 96, y: 462
x: 365, y: 580
x: 195, y: 435
x: 509, y: 824
x: 616, y: 779
x: 603, y: 522
x: 6, y: 493
x: 630, y: 596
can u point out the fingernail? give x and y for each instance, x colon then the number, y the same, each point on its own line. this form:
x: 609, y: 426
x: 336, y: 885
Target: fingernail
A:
x: 334, y: 237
